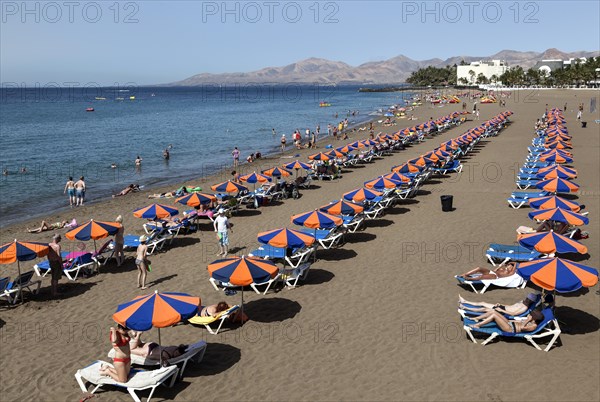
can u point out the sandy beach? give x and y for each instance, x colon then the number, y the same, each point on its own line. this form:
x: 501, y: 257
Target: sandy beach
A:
x: 376, y: 318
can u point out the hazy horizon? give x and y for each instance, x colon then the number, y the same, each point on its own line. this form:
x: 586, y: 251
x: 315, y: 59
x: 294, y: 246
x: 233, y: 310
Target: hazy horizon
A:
x: 157, y: 42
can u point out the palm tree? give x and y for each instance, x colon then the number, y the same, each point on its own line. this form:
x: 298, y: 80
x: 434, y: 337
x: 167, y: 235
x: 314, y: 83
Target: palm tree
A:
x: 472, y: 76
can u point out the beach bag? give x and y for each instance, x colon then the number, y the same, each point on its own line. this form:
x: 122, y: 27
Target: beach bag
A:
x: 170, y: 352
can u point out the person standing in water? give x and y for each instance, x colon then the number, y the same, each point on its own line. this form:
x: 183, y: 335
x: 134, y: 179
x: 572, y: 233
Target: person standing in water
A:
x: 236, y: 157
x: 70, y: 190
x: 80, y: 191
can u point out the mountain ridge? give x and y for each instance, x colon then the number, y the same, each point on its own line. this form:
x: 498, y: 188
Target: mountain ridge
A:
x: 394, y: 70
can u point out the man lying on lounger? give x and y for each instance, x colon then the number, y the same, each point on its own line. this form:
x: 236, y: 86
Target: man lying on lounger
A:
x: 478, y: 273
x: 529, y: 324
x: 514, y: 309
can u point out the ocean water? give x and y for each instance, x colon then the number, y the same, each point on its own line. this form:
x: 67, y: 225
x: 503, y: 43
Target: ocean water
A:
x: 48, y: 132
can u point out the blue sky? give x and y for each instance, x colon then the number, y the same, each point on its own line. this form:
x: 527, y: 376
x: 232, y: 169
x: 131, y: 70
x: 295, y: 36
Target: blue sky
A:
x: 147, y: 42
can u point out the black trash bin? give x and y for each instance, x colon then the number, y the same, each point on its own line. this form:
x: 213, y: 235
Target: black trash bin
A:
x: 583, y: 124
x: 447, y: 203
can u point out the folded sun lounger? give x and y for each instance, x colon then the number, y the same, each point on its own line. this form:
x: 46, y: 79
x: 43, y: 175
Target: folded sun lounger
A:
x: 499, y: 254
x: 138, y: 379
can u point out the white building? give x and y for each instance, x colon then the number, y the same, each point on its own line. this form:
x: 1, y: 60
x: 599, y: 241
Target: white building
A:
x: 547, y: 66
x: 487, y: 68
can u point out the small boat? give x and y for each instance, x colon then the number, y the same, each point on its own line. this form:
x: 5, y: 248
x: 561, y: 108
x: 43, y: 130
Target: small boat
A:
x: 89, y: 109
x: 132, y: 98
x: 324, y: 104
x: 120, y: 99
x: 100, y: 98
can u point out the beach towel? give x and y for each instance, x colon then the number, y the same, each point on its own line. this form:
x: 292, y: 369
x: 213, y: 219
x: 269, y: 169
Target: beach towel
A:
x: 513, y: 281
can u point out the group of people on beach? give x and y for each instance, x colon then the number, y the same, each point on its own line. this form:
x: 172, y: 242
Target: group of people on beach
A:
x: 76, y: 191
x: 127, y: 343
x: 251, y: 158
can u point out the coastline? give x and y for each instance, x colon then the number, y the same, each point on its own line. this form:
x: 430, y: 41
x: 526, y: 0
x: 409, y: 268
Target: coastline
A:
x: 214, y: 175
x: 155, y: 175
x: 380, y: 308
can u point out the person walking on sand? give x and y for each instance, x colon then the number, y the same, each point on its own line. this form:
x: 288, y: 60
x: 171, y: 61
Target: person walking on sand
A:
x: 283, y: 141
x: 141, y: 262
x: 236, y: 157
x: 119, y: 242
x: 70, y: 190
x: 222, y: 227
x: 55, y: 261
x: 80, y: 191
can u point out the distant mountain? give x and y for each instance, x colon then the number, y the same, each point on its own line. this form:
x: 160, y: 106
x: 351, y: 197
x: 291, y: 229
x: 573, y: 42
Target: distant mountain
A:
x: 392, y: 71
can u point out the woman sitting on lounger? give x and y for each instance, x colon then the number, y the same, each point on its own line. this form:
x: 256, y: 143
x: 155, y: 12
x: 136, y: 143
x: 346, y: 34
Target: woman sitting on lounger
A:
x: 529, y: 324
x: 514, y: 309
x: 478, y: 273
x: 122, y: 360
x: 214, y: 310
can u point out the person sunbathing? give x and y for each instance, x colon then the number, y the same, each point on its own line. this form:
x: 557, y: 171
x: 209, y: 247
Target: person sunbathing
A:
x: 514, y: 309
x: 45, y: 226
x: 122, y: 360
x: 205, y: 210
x: 150, y: 350
x: 214, y: 310
x: 529, y: 324
x: 478, y: 273
x: 130, y: 188
x: 546, y: 226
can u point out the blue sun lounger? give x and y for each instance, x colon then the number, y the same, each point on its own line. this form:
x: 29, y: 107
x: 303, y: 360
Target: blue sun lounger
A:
x: 327, y: 238
x: 529, y: 194
x: 454, y: 166
x: 500, y: 254
x: 525, y: 184
x: 543, y: 330
x: 270, y: 252
x: 43, y: 267
x: 513, y: 281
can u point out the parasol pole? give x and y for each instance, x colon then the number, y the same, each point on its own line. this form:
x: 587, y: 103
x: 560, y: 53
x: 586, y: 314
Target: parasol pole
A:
x: 160, y: 347
x: 159, y: 340
x: 19, y: 284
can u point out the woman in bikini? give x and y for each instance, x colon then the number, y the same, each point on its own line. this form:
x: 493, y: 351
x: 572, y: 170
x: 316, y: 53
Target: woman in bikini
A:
x: 515, y: 326
x: 150, y: 350
x: 141, y: 262
x: 45, y: 226
x: 214, y: 310
x: 122, y: 360
x: 478, y: 273
x: 512, y: 309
